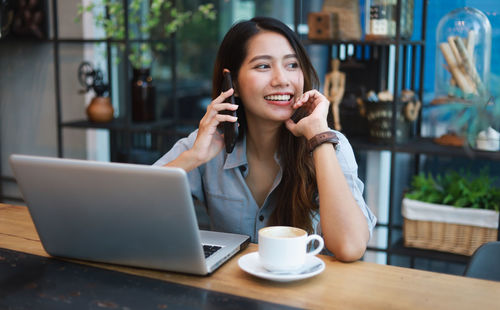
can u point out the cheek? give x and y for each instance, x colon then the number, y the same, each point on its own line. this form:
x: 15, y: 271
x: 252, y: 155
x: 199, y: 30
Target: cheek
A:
x: 249, y: 86
x: 300, y: 83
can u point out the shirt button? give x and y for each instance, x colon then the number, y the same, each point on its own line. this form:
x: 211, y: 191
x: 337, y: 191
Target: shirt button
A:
x: 261, y: 218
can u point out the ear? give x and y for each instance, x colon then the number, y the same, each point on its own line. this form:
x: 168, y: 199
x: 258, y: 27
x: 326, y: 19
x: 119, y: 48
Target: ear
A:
x: 235, y: 86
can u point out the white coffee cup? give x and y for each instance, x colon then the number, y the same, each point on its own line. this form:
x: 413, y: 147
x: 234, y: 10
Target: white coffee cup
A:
x: 284, y: 248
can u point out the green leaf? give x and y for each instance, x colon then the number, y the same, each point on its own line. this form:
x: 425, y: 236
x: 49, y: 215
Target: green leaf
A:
x: 457, y: 189
x: 160, y: 47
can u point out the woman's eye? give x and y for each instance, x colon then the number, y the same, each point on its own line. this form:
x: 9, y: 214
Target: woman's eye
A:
x: 262, y: 66
x: 293, y: 65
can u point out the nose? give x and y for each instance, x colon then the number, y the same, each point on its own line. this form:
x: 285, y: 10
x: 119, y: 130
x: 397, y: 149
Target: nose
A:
x: 279, y: 78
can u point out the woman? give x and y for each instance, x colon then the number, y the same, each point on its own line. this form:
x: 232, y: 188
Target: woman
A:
x: 273, y: 177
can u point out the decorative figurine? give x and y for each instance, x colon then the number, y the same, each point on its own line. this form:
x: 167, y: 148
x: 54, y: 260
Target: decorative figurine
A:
x: 334, y: 91
x: 100, y: 109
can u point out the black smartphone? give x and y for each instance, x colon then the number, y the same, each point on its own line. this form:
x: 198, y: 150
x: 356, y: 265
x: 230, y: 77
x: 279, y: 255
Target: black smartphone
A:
x: 229, y: 129
x: 299, y: 114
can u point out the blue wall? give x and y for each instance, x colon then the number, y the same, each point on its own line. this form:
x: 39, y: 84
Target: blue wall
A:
x: 436, y: 10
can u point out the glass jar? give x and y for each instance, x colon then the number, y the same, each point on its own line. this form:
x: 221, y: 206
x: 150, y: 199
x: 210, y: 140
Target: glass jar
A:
x: 463, y: 51
x: 143, y: 96
x: 381, y: 19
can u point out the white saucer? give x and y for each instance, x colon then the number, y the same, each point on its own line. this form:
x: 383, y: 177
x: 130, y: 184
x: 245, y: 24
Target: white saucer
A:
x: 250, y: 263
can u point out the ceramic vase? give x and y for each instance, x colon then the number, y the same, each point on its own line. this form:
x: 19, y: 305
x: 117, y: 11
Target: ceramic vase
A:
x: 100, y: 110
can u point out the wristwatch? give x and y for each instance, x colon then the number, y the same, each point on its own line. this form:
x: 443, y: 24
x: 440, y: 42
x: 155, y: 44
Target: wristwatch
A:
x: 324, y: 137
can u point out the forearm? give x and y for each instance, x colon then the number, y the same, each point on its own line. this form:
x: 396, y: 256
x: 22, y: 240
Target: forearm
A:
x: 187, y: 160
x: 343, y: 224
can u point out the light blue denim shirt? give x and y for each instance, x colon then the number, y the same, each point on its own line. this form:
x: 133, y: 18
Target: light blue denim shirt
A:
x: 220, y: 186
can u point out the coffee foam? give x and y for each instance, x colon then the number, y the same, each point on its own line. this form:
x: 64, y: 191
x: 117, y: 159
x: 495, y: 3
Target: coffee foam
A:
x: 282, y: 232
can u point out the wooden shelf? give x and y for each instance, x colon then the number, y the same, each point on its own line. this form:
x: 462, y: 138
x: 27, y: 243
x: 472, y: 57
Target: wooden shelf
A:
x: 423, y: 145
x: 119, y: 125
x: 362, y: 42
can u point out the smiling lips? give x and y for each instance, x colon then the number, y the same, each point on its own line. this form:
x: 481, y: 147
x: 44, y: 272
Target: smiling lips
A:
x: 279, y: 99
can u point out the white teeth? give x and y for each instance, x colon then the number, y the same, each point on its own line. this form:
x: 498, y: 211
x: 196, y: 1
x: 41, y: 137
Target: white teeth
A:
x: 278, y: 97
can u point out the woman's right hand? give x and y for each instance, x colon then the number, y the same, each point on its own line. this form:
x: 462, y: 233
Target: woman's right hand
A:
x: 209, y: 141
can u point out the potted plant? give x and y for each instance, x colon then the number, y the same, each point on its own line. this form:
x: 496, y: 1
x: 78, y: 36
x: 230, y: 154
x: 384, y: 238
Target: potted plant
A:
x: 453, y: 213
x: 149, y: 22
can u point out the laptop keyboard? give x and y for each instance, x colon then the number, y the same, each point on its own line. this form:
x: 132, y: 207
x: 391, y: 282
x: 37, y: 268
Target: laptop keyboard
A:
x: 210, y: 249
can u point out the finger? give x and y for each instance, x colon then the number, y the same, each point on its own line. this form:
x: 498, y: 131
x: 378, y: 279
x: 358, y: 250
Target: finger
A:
x: 298, y: 102
x: 216, y: 119
x: 215, y: 108
x: 312, y: 95
x: 315, y: 98
x: 209, y: 115
x: 301, y: 101
x: 304, y: 98
x: 223, y: 96
x: 226, y: 118
x: 224, y: 106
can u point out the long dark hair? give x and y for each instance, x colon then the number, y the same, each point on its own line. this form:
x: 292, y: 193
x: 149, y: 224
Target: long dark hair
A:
x: 295, y: 194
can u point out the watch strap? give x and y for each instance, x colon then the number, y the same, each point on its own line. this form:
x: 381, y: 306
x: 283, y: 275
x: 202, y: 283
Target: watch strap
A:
x: 324, y: 137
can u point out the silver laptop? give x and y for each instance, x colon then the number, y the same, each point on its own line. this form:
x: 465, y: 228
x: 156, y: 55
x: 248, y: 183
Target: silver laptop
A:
x: 125, y: 214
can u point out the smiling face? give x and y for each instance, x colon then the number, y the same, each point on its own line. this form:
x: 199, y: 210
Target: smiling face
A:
x: 270, y: 78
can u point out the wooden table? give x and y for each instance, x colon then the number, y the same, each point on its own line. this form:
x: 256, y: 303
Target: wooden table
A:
x: 359, y: 285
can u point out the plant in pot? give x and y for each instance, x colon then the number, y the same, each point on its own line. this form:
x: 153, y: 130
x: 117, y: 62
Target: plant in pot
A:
x: 454, y: 212
x: 150, y: 23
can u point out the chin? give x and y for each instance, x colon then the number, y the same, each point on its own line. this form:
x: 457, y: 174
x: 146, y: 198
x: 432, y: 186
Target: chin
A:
x: 282, y: 119
x: 282, y: 114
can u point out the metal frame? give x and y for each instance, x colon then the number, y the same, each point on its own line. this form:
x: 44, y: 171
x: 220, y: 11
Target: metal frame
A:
x: 122, y: 129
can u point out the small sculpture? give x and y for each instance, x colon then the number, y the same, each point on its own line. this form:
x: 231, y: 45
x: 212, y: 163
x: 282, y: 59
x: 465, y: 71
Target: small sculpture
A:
x: 334, y: 91
x: 100, y: 109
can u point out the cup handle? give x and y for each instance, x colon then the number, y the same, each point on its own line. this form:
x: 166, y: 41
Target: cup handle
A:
x: 319, y: 247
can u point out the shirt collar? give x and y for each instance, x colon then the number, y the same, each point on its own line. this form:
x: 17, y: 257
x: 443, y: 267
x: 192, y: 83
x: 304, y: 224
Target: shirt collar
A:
x: 239, y: 155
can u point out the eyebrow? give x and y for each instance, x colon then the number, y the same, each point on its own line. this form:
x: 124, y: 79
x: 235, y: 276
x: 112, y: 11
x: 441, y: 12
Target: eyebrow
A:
x: 268, y: 57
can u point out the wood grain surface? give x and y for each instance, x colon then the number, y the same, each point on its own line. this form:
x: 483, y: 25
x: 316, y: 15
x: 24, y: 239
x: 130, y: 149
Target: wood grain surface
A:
x: 359, y: 285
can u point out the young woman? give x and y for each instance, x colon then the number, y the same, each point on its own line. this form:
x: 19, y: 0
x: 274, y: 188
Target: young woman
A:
x: 280, y: 172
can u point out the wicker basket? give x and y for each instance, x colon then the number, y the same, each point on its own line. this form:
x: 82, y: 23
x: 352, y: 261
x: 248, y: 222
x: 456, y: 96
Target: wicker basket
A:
x: 447, y: 229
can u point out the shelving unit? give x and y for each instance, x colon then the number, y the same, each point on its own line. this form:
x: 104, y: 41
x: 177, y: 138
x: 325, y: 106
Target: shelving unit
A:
x: 122, y: 129
x: 124, y: 134
x: 408, y: 54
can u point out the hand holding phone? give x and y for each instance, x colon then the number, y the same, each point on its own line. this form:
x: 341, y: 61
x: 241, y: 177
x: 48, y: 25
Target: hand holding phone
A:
x: 230, y: 129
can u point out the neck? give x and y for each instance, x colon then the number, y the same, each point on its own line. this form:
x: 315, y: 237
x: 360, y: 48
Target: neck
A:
x: 262, y: 139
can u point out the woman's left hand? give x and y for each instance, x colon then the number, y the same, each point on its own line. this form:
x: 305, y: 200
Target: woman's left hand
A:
x: 315, y: 122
